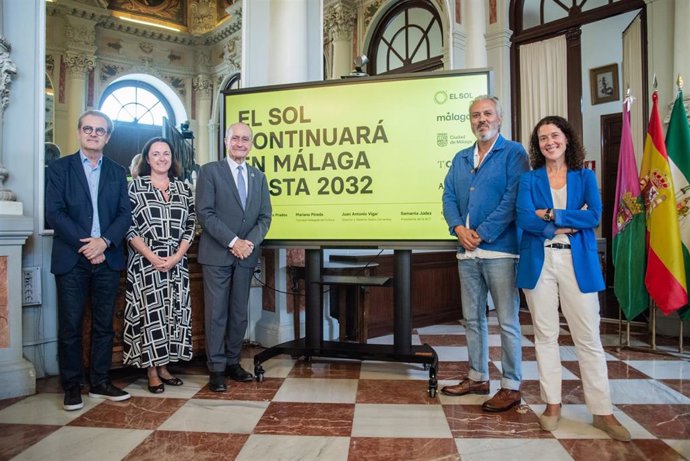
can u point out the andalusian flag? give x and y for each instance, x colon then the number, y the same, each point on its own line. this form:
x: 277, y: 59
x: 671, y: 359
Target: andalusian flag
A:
x: 665, y: 277
x: 629, y: 256
x: 678, y: 148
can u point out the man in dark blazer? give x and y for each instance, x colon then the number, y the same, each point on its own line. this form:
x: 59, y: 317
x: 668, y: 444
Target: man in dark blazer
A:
x: 88, y: 208
x: 234, y: 208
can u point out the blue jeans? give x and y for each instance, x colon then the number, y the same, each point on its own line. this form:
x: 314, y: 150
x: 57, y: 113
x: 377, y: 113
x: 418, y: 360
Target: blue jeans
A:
x: 478, y: 277
x: 100, y: 283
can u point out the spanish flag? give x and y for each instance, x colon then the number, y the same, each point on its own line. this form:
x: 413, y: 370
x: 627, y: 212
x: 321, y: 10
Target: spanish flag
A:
x: 665, y: 276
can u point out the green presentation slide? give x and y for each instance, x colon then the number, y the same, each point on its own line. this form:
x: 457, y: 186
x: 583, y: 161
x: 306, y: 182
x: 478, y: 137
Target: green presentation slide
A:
x: 359, y: 159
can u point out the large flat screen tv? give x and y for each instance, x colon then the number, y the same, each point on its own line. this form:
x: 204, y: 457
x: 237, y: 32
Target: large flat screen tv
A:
x: 359, y: 162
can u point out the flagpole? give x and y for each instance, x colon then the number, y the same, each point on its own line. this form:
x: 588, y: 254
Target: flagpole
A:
x: 651, y: 304
x: 679, y: 83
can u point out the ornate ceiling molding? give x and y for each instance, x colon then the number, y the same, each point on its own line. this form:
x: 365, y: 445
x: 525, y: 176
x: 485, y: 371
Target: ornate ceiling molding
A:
x: 103, y: 18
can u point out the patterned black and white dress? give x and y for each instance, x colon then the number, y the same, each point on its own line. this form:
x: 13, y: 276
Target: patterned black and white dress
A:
x: 158, y: 314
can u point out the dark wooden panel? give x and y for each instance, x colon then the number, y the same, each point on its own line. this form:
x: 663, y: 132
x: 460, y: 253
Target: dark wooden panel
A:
x: 435, y: 292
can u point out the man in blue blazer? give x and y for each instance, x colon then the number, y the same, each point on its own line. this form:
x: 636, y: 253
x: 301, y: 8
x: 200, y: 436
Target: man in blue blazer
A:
x: 479, y: 208
x: 234, y: 208
x: 89, y: 210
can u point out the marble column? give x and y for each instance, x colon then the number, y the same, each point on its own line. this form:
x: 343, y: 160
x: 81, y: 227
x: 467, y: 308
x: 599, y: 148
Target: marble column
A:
x: 202, y: 85
x: 287, y: 63
x: 474, y: 20
x: 78, y: 66
x: 497, y: 37
x: 17, y: 375
x: 282, y: 42
x: 79, y: 58
x: 339, y: 21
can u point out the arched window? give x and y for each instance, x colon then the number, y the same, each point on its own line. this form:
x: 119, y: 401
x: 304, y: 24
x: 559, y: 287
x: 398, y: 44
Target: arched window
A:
x: 137, y: 109
x: 408, y: 38
x: 133, y: 101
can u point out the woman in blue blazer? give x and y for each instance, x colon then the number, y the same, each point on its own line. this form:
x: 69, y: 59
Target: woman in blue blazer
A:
x: 558, y: 208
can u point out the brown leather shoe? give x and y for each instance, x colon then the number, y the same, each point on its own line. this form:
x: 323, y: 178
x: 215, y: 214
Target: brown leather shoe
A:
x: 467, y: 386
x: 505, y: 399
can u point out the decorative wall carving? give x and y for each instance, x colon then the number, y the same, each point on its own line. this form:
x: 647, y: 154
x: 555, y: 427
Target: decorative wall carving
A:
x: 146, y: 47
x: 203, y: 85
x: 339, y: 20
x: 231, y: 56
x: 50, y: 64
x: 78, y: 63
x: 202, y: 16
x: 79, y: 36
x: 202, y: 60
x: 370, y: 10
x: 109, y: 71
x: 8, y: 70
x: 115, y: 45
x: 177, y: 83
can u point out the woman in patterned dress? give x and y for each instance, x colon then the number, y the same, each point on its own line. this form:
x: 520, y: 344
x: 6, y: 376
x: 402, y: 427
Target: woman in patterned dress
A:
x: 157, y: 321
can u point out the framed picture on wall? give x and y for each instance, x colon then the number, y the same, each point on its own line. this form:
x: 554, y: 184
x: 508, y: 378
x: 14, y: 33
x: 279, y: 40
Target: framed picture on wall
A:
x: 603, y: 83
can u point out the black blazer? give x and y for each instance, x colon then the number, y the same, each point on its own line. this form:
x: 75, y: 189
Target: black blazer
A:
x: 70, y: 213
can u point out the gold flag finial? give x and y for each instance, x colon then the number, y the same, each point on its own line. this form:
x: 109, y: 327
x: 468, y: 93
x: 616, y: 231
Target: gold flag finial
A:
x: 679, y: 82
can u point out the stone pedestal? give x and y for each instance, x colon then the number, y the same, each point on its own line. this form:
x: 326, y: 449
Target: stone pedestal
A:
x: 17, y: 375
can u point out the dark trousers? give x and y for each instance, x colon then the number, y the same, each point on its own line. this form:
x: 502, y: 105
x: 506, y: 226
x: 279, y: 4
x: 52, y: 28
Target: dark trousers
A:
x: 226, y: 297
x: 100, y: 283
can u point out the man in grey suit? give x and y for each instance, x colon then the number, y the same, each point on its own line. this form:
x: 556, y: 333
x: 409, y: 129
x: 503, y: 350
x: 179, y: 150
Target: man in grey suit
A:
x: 234, y: 208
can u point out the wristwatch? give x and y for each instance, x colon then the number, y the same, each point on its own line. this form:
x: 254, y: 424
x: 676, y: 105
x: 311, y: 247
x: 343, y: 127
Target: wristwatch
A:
x: 547, y: 214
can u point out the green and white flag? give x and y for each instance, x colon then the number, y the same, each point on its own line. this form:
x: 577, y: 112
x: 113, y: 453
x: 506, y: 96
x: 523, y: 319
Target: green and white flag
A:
x: 678, y: 149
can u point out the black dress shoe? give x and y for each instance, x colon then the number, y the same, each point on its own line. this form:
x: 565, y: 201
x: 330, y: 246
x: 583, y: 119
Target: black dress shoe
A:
x: 216, y: 382
x: 238, y: 373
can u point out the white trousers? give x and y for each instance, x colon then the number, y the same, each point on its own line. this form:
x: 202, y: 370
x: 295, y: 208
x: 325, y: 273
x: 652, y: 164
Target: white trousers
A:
x: 581, y: 311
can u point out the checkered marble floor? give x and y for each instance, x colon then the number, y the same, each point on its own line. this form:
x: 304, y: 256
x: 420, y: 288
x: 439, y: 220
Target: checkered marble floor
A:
x: 350, y: 410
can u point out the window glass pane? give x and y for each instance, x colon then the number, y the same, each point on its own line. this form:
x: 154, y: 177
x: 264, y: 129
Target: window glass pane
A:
x: 146, y: 98
x: 553, y: 11
x: 591, y: 4
x: 415, y: 35
x: 158, y: 112
x: 436, y: 40
x: 394, y: 62
x: 420, y: 16
x: 135, y: 103
x: 398, y: 44
x: 530, y: 13
x: 111, y: 107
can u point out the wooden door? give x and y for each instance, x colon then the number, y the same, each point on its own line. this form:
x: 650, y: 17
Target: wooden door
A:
x: 611, y: 125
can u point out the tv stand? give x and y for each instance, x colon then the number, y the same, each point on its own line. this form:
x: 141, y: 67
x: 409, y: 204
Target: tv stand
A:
x: 313, y: 344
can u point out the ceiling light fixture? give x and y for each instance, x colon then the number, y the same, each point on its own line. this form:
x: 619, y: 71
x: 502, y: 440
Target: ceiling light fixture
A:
x: 126, y: 17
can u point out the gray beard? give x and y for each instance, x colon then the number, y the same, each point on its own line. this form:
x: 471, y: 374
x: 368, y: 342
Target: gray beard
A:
x: 488, y: 135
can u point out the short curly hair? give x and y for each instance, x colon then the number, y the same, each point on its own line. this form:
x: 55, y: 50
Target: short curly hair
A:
x: 574, y: 152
